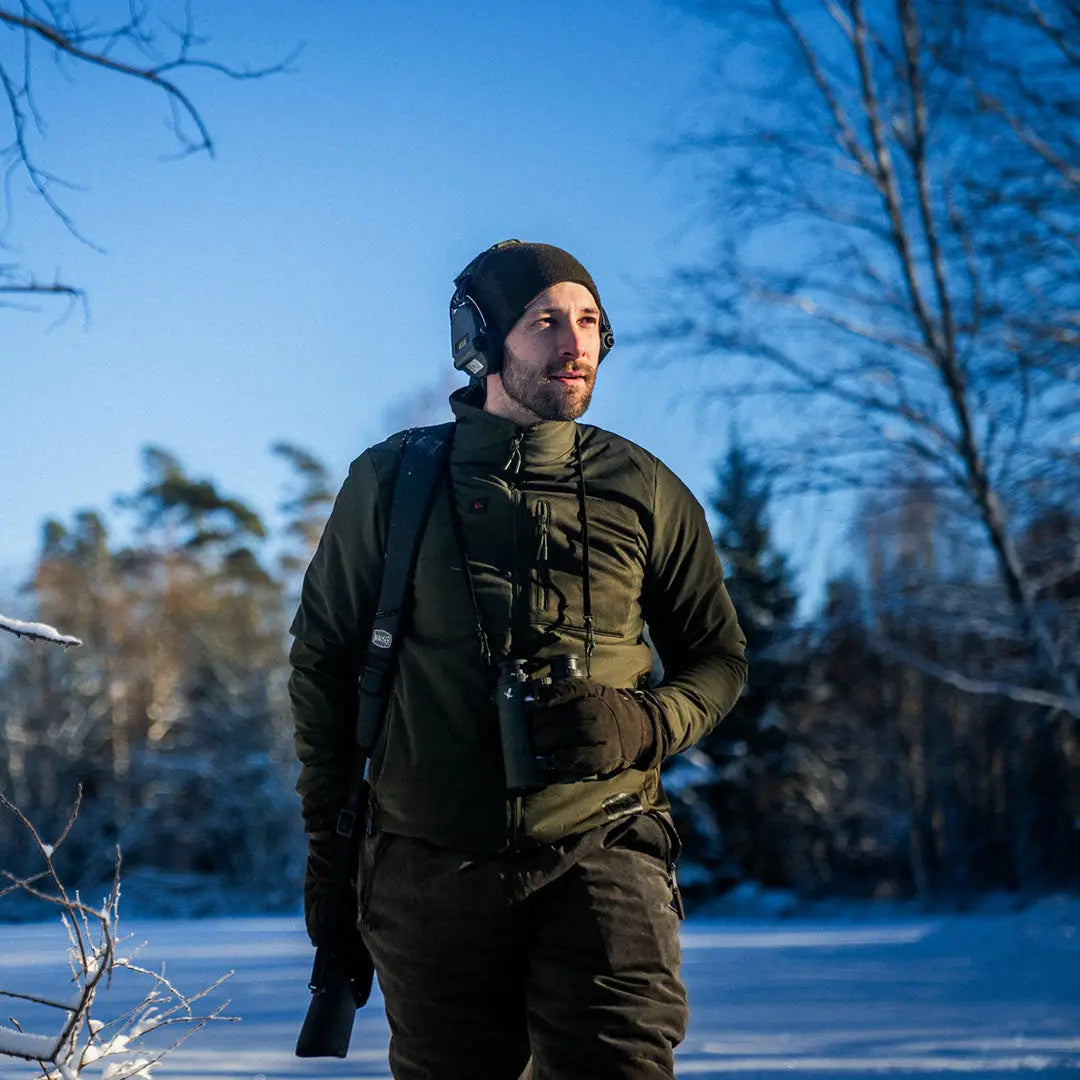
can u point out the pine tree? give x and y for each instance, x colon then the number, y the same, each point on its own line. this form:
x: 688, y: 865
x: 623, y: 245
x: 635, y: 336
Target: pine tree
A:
x: 724, y: 789
x: 307, y: 505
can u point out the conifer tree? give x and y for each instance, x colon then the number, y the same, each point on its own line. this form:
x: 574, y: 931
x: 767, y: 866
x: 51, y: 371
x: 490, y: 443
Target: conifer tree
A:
x: 724, y: 789
x: 308, y: 500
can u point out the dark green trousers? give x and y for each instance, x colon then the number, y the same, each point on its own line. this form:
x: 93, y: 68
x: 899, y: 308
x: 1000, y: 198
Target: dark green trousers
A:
x: 567, y: 954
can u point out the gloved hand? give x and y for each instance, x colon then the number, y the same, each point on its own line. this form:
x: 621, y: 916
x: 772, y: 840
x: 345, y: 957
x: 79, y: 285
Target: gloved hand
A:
x: 318, y: 879
x: 344, y: 937
x: 587, y: 729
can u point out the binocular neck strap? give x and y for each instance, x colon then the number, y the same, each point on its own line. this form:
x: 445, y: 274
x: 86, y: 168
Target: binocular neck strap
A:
x: 586, y: 595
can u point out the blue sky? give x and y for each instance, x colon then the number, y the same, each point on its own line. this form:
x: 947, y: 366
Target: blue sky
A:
x: 296, y: 286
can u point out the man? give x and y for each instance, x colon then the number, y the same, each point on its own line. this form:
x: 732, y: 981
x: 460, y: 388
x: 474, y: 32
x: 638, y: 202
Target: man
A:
x: 539, y: 921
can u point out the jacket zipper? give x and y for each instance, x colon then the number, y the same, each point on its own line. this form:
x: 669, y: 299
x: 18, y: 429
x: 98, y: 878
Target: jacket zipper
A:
x: 513, y: 468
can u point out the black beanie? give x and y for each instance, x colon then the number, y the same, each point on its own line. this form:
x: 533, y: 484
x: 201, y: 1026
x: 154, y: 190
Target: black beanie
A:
x: 505, y: 279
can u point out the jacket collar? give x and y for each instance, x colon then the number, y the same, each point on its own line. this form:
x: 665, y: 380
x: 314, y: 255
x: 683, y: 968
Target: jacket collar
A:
x: 483, y: 436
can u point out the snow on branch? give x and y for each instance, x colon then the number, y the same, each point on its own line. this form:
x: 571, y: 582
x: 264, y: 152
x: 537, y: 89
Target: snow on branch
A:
x: 93, y: 959
x: 24, y: 1044
x: 38, y: 632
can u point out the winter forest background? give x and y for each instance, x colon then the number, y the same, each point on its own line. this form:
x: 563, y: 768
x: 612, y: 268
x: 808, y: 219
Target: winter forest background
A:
x: 893, y: 269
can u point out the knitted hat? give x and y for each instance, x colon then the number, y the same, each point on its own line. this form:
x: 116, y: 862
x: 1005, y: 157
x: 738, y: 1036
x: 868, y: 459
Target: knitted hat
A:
x: 506, y: 278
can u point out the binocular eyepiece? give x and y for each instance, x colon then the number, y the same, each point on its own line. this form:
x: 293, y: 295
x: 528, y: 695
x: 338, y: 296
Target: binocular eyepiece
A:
x: 524, y: 770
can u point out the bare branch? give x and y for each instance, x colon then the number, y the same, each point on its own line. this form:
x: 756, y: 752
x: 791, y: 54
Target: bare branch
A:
x: 1070, y: 173
x: 59, y: 30
x: 845, y: 132
x: 72, y: 45
x: 885, y: 178
x: 917, y: 152
x: 93, y: 959
x: 981, y: 687
x: 64, y: 290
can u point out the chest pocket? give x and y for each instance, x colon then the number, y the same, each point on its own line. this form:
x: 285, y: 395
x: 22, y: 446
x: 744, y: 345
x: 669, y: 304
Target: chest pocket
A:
x: 616, y: 565
x: 440, y: 609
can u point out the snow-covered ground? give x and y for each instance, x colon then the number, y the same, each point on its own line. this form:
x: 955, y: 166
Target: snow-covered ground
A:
x: 860, y: 996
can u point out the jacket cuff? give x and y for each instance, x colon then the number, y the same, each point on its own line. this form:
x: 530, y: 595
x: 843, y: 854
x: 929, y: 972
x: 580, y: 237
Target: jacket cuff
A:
x: 655, y: 749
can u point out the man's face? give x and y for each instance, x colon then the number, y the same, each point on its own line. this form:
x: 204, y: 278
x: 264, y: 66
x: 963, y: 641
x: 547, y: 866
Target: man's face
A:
x: 550, y: 357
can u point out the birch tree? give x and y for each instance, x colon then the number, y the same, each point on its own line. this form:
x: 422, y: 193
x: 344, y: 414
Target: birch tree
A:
x: 893, y: 192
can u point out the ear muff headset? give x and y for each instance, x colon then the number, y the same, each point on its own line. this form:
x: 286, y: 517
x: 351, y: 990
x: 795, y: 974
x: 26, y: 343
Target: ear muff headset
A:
x: 471, y: 344
x: 468, y: 330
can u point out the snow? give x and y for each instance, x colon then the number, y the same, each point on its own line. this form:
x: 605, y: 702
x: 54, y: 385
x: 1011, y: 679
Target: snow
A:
x: 41, y: 631
x: 25, y: 1042
x: 857, y: 995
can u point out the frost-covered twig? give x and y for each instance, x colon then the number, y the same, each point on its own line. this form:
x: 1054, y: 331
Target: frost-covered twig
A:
x: 37, y: 631
x: 93, y: 936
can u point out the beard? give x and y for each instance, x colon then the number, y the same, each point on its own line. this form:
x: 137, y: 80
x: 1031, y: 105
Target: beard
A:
x: 540, y: 394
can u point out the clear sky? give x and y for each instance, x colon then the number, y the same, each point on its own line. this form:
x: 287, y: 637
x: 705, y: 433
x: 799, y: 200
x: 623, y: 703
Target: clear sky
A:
x: 296, y: 286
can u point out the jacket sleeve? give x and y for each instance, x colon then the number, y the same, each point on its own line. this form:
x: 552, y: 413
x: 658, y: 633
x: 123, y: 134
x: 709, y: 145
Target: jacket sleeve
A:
x: 691, y: 619
x: 330, y: 630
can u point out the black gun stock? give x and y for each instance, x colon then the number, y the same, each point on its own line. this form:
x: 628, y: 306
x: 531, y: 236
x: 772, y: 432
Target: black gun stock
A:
x: 342, y: 974
x: 339, y: 986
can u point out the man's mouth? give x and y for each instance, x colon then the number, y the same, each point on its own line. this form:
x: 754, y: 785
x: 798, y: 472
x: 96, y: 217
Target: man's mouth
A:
x: 568, y: 378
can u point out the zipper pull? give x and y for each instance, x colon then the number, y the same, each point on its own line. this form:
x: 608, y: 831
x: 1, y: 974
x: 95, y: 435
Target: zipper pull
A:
x: 513, y: 462
x: 542, y: 512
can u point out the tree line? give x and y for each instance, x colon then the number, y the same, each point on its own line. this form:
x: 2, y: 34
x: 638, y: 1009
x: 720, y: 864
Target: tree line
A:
x: 172, y: 717
x: 852, y: 767
x: 842, y: 770
x: 890, y: 206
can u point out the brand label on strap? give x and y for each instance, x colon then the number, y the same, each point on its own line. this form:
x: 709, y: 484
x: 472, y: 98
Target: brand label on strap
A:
x: 382, y: 639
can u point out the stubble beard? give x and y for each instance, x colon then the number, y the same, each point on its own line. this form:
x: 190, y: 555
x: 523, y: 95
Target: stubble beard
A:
x: 536, y: 391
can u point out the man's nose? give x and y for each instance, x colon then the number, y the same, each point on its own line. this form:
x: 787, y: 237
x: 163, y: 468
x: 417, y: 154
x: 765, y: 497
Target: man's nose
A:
x: 572, y: 341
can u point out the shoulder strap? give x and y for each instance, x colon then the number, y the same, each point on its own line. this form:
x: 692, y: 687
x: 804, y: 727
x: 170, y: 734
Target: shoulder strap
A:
x: 422, y: 454
x: 418, y: 473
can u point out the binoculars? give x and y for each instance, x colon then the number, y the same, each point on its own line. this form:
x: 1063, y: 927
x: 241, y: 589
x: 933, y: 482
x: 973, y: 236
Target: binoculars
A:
x: 524, y: 770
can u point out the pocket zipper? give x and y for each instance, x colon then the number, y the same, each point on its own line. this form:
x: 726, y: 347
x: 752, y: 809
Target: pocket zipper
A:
x: 542, y: 513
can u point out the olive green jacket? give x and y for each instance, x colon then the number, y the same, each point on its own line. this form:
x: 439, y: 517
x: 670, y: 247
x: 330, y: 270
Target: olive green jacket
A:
x: 437, y: 770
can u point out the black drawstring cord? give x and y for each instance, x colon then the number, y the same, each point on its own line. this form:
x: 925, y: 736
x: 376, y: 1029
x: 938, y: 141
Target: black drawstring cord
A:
x: 586, y: 596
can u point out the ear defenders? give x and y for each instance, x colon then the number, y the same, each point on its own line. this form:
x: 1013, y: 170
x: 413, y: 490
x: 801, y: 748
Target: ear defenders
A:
x: 469, y: 342
x: 474, y: 348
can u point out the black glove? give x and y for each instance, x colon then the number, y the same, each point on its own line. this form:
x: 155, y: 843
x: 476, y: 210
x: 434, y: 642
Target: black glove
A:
x: 319, y: 880
x: 319, y: 884
x: 343, y: 939
x: 587, y: 729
